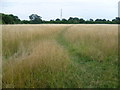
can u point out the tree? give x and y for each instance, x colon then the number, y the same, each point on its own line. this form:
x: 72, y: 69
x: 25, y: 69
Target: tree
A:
x: 91, y: 20
x: 104, y: 20
x: 98, y: 20
x: 76, y: 20
x: 6, y: 19
x: 82, y: 20
x: 51, y: 20
x: 72, y: 20
x: 25, y: 22
x: 64, y: 21
x: 35, y: 19
x: 57, y: 19
x: 10, y: 19
x: 116, y: 20
x: 15, y: 19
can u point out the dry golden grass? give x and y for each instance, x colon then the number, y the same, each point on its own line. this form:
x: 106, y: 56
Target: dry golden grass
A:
x: 46, y: 60
x: 20, y: 35
x: 59, y: 56
x: 96, y: 41
x: 0, y: 56
x: 31, y: 56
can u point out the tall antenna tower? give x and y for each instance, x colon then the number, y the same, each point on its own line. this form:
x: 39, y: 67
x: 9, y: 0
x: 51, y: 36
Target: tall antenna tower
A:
x: 61, y: 15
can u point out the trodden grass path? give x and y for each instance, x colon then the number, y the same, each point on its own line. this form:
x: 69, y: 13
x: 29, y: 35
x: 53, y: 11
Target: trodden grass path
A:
x: 89, y: 73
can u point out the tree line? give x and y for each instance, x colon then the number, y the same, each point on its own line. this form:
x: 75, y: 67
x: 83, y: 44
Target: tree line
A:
x: 36, y: 19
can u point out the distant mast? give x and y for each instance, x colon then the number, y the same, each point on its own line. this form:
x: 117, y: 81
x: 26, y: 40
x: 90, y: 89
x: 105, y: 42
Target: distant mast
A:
x: 61, y: 15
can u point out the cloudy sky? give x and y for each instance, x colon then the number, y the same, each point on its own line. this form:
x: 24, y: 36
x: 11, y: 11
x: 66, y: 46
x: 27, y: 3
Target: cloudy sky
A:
x: 50, y: 9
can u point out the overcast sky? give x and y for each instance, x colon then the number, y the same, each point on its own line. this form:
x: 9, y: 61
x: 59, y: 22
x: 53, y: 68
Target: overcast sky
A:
x: 50, y: 9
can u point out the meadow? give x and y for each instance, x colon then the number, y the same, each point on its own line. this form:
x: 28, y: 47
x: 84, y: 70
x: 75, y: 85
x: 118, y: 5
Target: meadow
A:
x: 60, y: 56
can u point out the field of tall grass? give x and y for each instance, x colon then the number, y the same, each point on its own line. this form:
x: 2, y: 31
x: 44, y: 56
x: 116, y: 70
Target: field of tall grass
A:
x: 0, y: 56
x: 60, y: 56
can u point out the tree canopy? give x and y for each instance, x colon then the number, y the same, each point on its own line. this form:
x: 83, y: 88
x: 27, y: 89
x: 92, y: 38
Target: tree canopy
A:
x: 10, y: 19
x: 36, y: 19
